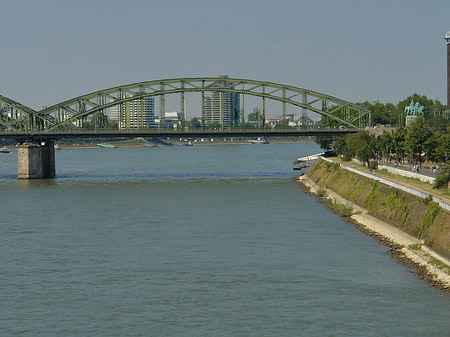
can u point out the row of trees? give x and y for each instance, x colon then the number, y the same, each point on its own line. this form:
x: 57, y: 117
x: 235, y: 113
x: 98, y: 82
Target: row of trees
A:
x: 416, y: 143
x: 394, y: 115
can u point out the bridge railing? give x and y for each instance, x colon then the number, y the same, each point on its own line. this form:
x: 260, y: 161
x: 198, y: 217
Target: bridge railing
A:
x: 162, y: 132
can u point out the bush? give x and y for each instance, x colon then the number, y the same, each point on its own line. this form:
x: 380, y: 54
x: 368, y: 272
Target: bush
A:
x: 341, y: 209
x: 443, y: 177
x: 347, y: 156
x: 373, y: 165
x: 427, y: 200
x: 322, y: 193
x: 428, y: 219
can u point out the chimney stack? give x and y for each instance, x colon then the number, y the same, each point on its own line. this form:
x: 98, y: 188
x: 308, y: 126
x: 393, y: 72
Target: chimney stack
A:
x: 447, y: 39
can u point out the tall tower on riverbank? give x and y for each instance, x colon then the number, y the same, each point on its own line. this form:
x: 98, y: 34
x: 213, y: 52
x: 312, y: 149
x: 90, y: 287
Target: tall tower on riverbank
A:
x: 447, y: 39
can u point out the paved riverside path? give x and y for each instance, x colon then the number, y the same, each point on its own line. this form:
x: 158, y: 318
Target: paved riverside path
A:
x: 424, y: 170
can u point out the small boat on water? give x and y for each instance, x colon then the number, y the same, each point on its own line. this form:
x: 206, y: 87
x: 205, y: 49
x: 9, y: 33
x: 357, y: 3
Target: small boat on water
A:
x: 259, y: 140
x: 107, y: 146
x: 4, y: 150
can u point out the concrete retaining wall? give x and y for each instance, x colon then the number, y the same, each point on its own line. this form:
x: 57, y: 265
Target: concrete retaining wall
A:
x: 400, y: 172
x: 409, y: 174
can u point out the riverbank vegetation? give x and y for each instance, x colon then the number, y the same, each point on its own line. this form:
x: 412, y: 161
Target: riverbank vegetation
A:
x: 391, y: 114
x: 426, y: 139
x: 421, y: 218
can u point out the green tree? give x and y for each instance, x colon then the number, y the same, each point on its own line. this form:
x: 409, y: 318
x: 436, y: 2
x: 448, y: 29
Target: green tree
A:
x: 382, y: 113
x: 339, y: 145
x: 416, y: 137
x: 324, y: 142
x: 284, y: 124
x: 99, y: 120
x: 430, y: 146
x: 244, y: 126
x: 384, y: 144
x: 195, y: 123
x: 438, y: 123
x: 443, y: 177
x: 399, y: 142
x: 252, y: 116
x: 215, y: 125
x: 361, y: 145
x: 442, y: 149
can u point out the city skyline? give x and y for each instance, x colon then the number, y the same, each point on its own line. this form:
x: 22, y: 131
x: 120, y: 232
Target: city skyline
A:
x: 354, y: 50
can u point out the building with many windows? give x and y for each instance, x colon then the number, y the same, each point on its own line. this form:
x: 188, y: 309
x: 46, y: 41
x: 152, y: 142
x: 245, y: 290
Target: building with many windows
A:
x: 134, y: 114
x: 222, y: 107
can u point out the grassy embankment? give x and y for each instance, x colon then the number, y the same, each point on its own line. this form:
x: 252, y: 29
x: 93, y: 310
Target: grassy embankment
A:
x: 418, y: 217
x: 411, y: 182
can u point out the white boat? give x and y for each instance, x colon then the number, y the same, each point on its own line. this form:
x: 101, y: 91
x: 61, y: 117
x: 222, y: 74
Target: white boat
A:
x: 305, y: 162
x: 259, y: 140
x: 4, y: 150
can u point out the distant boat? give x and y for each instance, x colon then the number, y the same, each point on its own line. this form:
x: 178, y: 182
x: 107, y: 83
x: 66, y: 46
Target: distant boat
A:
x: 107, y: 146
x: 259, y: 140
x: 4, y: 150
x: 189, y: 144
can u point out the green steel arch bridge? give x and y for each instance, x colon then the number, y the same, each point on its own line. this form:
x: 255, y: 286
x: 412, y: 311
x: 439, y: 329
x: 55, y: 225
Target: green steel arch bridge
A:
x: 36, y: 131
x: 16, y: 118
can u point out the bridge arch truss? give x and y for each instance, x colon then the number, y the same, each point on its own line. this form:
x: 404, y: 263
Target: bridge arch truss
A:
x: 16, y: 116
x: 67, y: 112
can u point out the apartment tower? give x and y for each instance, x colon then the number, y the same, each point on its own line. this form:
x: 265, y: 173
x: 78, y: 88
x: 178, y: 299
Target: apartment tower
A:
x: 134, y: 114
x: 222, y: 107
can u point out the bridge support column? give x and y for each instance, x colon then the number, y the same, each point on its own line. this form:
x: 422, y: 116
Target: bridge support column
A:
x: 36, y: 161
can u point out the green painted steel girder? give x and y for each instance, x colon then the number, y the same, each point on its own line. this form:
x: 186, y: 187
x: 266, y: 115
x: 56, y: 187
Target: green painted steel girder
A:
x: 16, y: 116
x: 83, y: 106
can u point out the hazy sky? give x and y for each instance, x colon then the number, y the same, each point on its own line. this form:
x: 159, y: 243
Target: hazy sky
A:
x: 53, y: 50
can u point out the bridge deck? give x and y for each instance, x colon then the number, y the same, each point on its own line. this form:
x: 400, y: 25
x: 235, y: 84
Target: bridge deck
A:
x: 149, y: 133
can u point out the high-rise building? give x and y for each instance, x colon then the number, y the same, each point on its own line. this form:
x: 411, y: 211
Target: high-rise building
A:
x: 114, y: 113
x: 222, y: 107
x: 134, y: 114
x: 447, y: 39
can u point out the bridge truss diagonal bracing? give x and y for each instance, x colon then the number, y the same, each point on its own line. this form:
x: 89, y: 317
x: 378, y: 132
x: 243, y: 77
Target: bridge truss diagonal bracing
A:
x: 69, y: 112
x: 16, y: 116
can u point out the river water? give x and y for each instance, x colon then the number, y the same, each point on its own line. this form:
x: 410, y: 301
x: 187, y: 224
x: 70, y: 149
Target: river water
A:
x: 194, y: 241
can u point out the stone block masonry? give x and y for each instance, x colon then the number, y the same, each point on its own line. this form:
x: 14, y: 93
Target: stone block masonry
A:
x: 36, y: 161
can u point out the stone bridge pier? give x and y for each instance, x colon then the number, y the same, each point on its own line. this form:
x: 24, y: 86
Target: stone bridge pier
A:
x: 36, y: 160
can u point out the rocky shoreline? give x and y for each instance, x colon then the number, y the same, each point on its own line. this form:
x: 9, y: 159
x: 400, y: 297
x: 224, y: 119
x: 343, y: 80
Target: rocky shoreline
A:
x: 400, y: 249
